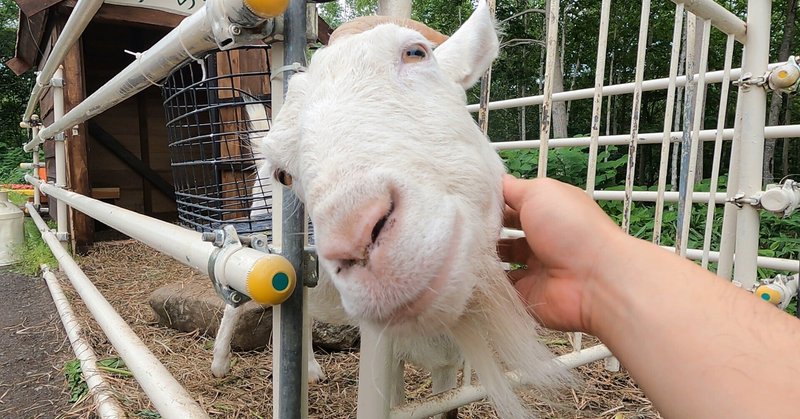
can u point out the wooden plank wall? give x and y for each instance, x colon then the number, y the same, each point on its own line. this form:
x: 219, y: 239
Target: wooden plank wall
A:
x: 233, y: 118
x: 138, y: 123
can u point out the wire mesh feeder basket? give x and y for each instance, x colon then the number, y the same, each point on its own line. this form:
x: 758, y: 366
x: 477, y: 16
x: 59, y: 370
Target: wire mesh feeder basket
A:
x: 214, y: 165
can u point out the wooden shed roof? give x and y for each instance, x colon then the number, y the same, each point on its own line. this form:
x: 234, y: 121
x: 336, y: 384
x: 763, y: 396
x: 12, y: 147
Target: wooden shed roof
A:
x: 35, y: 22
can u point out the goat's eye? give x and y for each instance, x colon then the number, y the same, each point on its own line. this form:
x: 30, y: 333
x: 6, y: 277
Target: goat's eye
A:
x: 284, y: 178
x: 414, y: 54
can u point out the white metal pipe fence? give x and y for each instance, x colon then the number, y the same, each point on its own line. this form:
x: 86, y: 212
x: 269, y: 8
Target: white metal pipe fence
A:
x: 80, y: 17
x: 168, y: 396
x: 107, y: 406
x: 201, y: 32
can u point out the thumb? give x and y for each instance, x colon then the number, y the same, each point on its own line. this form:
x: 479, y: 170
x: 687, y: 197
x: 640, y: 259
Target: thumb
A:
x: 515, y: 191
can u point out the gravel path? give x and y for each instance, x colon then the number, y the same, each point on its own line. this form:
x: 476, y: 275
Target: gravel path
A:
x: 33, y: 349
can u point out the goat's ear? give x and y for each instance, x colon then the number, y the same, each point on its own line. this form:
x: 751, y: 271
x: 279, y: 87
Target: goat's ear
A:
x: 470, y: 51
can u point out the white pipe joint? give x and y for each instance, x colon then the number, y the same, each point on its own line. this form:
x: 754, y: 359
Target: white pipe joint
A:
x: 239, y: 21
x: 786, y: 77
x: 30, y: 165
x: 269, y: 280
x: 781, y: 199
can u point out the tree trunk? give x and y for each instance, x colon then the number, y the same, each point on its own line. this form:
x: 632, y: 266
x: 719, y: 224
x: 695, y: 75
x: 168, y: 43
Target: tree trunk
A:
x: 789, y: 28
x: 394, y: 8
x: 559, y: 116
x: 676, y: 117
x: 786, y: 141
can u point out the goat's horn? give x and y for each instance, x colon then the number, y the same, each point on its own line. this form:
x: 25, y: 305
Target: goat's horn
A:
x: 366, y: 23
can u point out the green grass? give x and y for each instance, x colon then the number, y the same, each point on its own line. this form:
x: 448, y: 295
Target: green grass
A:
x: 78, y: 389
x: 34, y: 250
x: 17, y: 198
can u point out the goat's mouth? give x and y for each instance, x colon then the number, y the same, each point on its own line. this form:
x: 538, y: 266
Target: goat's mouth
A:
x: 418, y: 304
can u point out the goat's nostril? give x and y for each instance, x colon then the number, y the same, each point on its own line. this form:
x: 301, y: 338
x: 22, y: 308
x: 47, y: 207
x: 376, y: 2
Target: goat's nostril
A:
x: 376, y: 231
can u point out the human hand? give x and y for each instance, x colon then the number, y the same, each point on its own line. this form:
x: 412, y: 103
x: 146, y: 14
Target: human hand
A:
x: 567, y: 235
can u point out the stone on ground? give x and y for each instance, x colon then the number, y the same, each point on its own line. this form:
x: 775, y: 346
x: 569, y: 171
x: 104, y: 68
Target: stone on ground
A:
x: 194, y: 306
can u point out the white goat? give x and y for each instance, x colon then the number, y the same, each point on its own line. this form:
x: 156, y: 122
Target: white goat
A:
x: 405, y: 193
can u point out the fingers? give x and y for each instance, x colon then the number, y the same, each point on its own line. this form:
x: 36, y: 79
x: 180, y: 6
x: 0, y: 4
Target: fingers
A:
x: 511, y: 218
x: 514, y: 250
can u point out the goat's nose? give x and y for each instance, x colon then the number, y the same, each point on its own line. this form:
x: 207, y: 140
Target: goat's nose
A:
x: 352, y: 234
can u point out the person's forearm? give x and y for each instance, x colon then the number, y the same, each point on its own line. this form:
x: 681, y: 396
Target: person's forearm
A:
x: 683, y: 332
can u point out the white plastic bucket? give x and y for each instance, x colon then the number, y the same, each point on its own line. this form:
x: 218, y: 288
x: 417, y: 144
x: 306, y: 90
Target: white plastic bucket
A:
x: 11, y: 233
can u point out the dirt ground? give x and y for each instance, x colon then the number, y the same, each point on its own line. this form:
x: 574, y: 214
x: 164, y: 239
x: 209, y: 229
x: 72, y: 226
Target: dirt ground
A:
x: 33, y: 349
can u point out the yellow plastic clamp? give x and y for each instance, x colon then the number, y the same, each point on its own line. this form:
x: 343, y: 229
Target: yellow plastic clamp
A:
x: 769, y: 294
x: 272, y: 280
x: 267, y: 8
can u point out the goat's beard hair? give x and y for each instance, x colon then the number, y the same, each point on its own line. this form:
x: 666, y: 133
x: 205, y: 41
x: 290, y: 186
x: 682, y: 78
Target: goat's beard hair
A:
x: 496, y: 334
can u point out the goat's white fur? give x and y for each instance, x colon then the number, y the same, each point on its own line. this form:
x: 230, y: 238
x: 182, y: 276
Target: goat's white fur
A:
x: 363, y: 132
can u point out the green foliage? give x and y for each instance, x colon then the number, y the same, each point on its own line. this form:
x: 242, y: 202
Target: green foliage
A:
x: 569, y: 165
x: 13, y: 98
x: 75, y: 384
x: 78, y: 389
x: 147, y: 413
x: 10, y: 158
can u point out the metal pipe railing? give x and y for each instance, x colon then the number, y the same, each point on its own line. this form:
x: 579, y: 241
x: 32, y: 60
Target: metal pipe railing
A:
x: 612, y: 90
x: 781, y: 131
x: 717, y: 159
x: 549, y: 73
x: 720, y: 17
x: 107, y: 405
x: 60, y: 154
x: 644, y: 20
x: 666, y: 140
x: 597, y: 103
x: 292, y: 385
x: 168, y: 396
x: 246, y: 270
x: 751, y: 152
x: 467, y: 394
x: 198, y: 33
x: 690, y: 149
x: 77, y: 22
x: 191, y: 37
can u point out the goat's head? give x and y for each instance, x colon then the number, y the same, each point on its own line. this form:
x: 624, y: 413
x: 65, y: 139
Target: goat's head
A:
x: 403, y: 188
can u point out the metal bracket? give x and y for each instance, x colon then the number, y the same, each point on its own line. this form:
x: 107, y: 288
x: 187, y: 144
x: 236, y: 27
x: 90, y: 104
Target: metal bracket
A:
x: 225, y: 240
x: 54, y: 82
x: 310, y: 264
x: 62, y: 236
x: 747, y: 80
x: 740, y: 200
x: 60, y: 137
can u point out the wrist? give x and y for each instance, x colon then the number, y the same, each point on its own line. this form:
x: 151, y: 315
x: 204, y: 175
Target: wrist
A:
x: 610, y: 289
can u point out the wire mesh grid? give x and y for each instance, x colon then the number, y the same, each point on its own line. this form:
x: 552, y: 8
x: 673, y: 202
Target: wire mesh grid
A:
x: 214, y: 164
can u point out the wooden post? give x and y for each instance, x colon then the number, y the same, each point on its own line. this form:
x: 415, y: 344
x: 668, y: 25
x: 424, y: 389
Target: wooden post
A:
x: 81, y: 226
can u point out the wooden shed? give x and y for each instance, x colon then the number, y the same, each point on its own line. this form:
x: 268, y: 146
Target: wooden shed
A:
x: 121, y: 155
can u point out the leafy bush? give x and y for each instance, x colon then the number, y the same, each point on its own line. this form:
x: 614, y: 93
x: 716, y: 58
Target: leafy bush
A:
x: 568, y: 165
x: 10, y: 158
